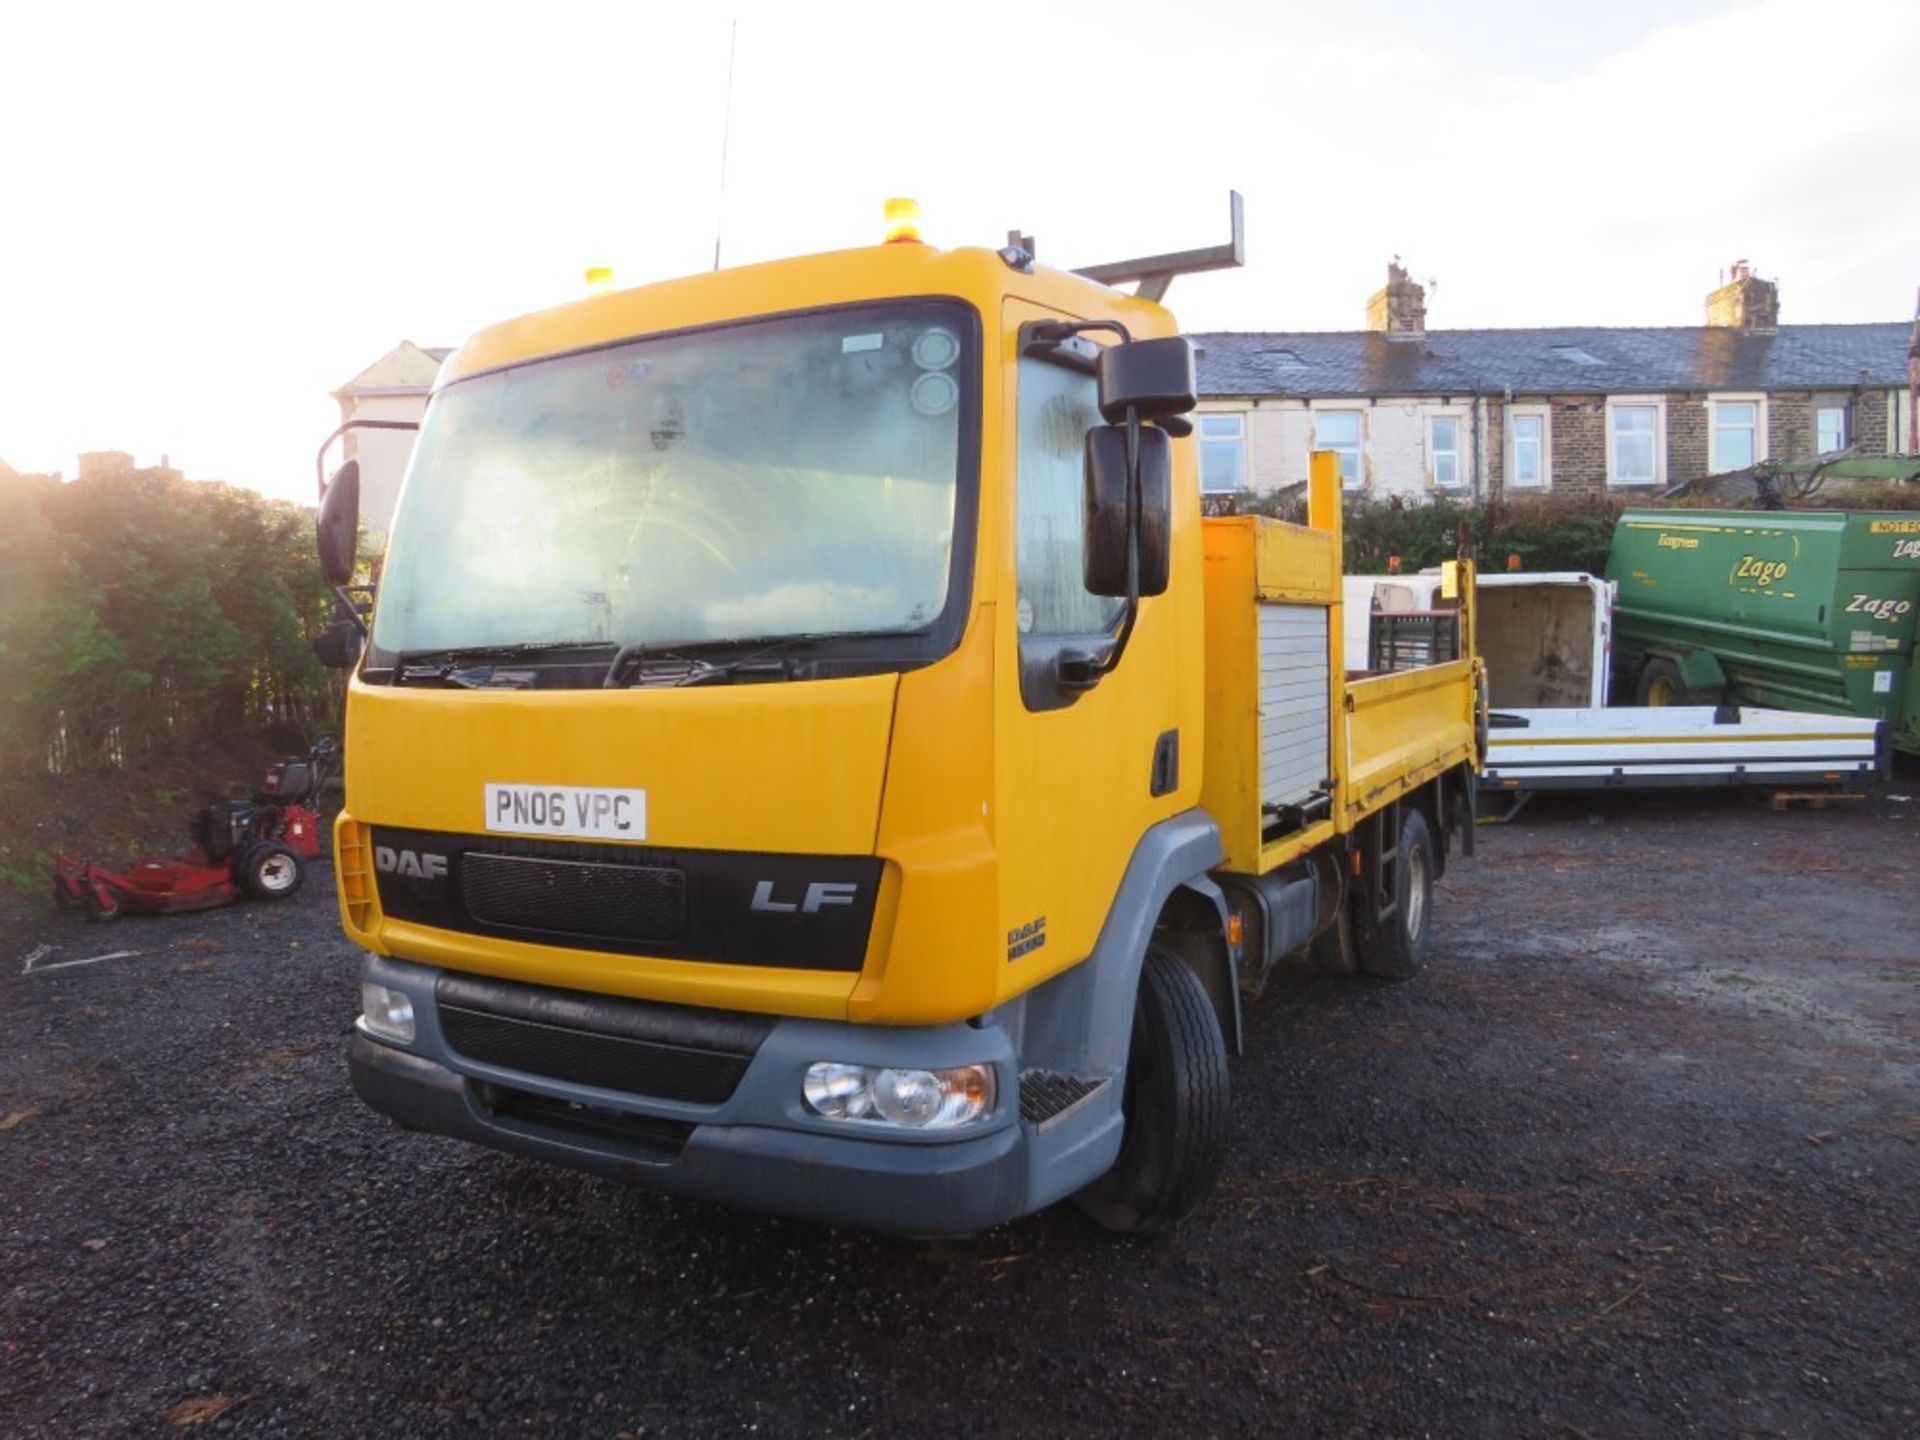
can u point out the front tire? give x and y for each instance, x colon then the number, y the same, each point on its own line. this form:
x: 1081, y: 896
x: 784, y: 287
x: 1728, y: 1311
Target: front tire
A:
x: 1175, y: 1102
x: 1396, y: 948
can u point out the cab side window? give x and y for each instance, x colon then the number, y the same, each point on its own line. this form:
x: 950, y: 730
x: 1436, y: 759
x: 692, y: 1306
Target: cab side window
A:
x: 1057, y: 406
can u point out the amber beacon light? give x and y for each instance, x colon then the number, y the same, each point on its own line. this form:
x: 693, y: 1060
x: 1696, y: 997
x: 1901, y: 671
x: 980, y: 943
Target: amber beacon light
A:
x: 903, y: 221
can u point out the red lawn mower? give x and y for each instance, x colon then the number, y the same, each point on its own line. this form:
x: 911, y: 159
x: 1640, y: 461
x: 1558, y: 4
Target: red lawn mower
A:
x: 258, y: 847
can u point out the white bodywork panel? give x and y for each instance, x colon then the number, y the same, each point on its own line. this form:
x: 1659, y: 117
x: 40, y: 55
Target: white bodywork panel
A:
x: 1621, y: 747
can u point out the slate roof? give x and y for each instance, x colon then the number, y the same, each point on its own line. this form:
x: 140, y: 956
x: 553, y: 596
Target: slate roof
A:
x: 1556, y: 361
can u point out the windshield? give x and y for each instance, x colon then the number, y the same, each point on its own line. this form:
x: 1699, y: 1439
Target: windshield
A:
x: 794, y: 476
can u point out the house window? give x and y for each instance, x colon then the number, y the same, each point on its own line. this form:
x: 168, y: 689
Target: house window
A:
x: 1633, y: 443
x: 1443, y: 451
x: 1526, y: 451
x: 1736, y: 435
x: 1830, y: 429
x: 1223, y: 454
x: 1339, y: 431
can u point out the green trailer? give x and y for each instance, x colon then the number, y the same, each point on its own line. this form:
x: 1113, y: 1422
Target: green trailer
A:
x: 1793, y: 609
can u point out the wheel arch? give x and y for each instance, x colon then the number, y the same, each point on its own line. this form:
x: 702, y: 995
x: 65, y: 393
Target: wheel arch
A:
x: 1193, y: 926
x: 1082, y: 1019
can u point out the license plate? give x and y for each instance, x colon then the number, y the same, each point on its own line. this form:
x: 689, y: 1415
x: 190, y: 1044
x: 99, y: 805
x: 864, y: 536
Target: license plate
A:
x: 573, y: 812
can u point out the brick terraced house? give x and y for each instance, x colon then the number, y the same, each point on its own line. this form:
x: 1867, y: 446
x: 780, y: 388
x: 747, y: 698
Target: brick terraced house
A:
x: 1566, y: 410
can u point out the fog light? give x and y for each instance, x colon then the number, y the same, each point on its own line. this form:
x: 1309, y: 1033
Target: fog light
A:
x: 386, y: 1013
x: 908, y: 1099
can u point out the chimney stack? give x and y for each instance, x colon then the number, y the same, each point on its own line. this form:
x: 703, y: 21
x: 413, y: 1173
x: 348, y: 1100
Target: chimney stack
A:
x: 1399, y: 309
x: 1745, y: 302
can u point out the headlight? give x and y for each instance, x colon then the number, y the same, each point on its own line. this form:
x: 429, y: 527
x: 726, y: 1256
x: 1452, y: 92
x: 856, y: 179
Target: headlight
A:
x: 909, y: 1099
x: 386, y: 1013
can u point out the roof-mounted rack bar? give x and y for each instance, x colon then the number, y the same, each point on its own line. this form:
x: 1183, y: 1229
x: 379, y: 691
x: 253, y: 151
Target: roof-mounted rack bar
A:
x: 1155, y: 272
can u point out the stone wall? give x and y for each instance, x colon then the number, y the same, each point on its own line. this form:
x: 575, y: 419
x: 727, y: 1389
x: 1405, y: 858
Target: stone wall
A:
x: 1870, y: 422
x: 1579, y: 444
x: 1789, y: 425
x: 1688, y: 429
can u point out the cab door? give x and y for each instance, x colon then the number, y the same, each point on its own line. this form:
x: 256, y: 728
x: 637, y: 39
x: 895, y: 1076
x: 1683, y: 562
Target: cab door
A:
x: 1081, y: 773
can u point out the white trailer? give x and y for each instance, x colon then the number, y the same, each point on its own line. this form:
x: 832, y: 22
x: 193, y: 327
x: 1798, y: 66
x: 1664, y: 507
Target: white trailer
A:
x: 1547, y: 640
x: 1622, y: 747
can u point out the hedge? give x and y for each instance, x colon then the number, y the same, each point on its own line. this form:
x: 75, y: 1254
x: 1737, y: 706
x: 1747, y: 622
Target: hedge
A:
x: 1546, y: 533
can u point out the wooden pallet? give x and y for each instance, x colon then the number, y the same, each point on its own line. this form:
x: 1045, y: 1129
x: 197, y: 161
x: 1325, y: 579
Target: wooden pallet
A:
x: 1800, y: 799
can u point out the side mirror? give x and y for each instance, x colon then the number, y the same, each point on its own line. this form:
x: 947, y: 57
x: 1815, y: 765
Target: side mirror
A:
x: 1108, y: 539
x: 339, y: 524
x: 338, y: 646
x: 1154, y: 376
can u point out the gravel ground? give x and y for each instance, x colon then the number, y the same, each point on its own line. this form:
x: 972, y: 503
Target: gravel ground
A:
x: 1635, y: 1156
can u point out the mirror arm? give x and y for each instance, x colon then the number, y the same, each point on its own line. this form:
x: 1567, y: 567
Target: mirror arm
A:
x: 1133, y: 543
x: 320, y: 457
x: 343, y: 598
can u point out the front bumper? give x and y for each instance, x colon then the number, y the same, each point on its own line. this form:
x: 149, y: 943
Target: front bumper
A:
x: 759, y: 1148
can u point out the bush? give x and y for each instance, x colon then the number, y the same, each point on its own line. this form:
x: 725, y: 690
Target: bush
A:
x: 140, y: 612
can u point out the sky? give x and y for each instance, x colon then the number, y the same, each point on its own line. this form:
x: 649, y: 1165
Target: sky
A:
x: 213, y: 215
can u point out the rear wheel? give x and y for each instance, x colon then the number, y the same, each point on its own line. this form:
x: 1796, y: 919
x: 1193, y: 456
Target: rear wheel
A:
x: 63, y: 898
x: 1662, y: 684
x: 1175, y: 1103
x: 271, y: 871
x: 1395, y: 948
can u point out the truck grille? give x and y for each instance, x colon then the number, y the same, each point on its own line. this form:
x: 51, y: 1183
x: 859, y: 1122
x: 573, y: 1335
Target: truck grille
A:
x: 724, y: 907
x: 644, y: 903
x: 666, y: 1052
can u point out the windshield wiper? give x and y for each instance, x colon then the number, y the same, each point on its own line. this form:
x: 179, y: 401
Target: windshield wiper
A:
x: 474, y: 667
x: 692, y: 669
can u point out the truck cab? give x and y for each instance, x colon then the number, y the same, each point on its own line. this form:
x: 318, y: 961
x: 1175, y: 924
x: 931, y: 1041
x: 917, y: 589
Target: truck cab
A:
x: 760, y: 781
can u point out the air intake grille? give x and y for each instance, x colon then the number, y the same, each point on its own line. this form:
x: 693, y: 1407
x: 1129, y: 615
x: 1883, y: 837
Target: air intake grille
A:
x: 632, y: 1047
x: 645, y: 903
x: 1045, y: 1095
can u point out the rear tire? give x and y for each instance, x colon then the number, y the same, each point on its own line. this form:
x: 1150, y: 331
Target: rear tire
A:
x: 1176, y: 1102
x: 1661, y: 684
x: 1397, y: 948
x: 271, y: 871
x: 63, y: 897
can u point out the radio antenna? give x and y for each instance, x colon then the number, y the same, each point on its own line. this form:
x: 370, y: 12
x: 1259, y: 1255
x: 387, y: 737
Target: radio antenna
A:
x: 726, y: 133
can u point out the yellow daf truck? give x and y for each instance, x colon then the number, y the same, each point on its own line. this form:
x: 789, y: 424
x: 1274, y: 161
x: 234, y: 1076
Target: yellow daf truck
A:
x: 809, y: 750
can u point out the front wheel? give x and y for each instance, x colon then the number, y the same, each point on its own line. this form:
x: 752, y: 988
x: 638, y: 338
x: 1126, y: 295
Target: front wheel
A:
x: 1175, y: 1103
x: 271, y: 871
x: 1395, y: 948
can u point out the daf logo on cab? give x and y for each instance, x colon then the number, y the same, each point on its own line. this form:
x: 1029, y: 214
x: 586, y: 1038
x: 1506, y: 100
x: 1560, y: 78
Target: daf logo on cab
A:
x: 414, y: 864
